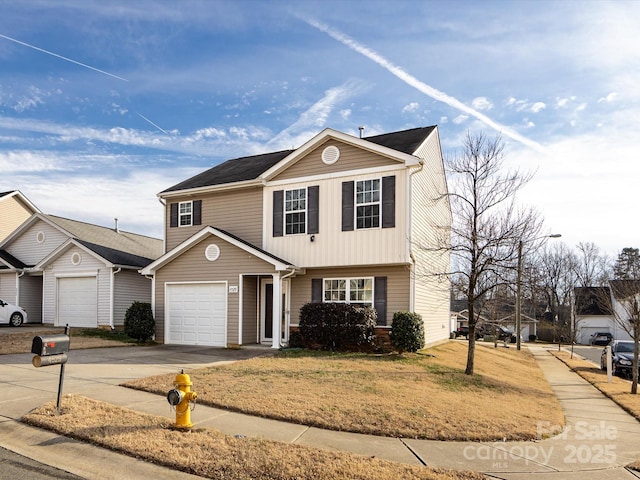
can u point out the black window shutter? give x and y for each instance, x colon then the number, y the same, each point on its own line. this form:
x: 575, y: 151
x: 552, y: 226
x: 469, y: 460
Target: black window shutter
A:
x: 313, y: 197
x: 347, y: 206
x: 278, y: 207
x: 173, y: 215
x: 197, y: 212
x: 380, y: 299
x: 316, y: 290
x: 388, y: 202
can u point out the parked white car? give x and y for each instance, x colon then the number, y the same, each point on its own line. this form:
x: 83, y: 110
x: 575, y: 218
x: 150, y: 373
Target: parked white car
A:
x: 12, y: 314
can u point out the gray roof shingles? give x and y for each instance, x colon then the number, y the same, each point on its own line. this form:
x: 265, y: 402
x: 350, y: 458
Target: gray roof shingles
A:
x: 250, y: 168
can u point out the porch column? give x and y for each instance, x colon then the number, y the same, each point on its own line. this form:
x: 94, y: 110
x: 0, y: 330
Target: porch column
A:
x: 277, y: 311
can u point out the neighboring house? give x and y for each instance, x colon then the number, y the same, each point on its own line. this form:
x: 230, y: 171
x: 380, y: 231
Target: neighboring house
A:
x: 68, y: 272
x: 593, y: 311
x: 15, y: 209
x: 339, y: 219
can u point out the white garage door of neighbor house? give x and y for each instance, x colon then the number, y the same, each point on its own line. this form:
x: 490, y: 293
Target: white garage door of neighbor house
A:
x: 78, y: 301
x: 197, y: 314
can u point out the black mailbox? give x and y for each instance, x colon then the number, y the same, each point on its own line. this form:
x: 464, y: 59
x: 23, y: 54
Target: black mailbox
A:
x: 45, y: 345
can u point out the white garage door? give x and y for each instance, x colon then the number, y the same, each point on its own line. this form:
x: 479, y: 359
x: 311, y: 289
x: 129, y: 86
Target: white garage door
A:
x: 197, y: 314
x: 78, y: 301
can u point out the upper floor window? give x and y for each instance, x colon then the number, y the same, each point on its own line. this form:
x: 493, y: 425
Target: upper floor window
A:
x: 186, y: 212
x: 296, y: 211
x: 368, y: 203
x: 295, y: 207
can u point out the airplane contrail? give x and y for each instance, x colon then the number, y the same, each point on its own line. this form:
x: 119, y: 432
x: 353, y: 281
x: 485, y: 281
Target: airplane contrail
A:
x: 421, y: 86
x: 63, y: 58
x: 146, y: 119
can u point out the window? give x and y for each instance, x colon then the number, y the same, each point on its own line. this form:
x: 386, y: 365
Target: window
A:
x: 295, y: 207
x: 348, y: 290
x: 186, y: 211
x: 185, y: 214
x: 368, y: 203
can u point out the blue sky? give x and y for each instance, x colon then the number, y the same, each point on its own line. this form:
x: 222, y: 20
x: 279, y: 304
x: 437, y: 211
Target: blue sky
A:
x: 105, y: 104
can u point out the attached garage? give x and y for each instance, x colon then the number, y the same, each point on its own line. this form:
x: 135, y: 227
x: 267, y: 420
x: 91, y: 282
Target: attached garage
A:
x: 78, y: 301
x: 196, y: 314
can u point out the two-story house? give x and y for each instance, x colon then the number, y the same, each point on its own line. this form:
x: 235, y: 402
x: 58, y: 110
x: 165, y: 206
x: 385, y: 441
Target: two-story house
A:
x: 339, y: 219
x: 15, y: 209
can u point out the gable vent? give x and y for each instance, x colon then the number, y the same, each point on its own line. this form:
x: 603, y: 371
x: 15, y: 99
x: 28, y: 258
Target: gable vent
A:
x: 330, y: 155
x: 212, y: 252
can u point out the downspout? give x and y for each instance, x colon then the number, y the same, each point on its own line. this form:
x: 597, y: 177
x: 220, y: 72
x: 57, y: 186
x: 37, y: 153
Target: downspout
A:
x: 412, y: 280
x: 20, y: 275
x: 287, y: 320
x: 112, y: 293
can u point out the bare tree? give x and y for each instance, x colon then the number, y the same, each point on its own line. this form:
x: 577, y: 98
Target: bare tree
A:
x: 592, y: 266
x: 487, y: 225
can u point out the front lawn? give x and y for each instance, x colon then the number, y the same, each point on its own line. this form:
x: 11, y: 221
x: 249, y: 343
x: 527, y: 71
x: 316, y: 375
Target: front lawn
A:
x: 425, y: 395
x: 210, y: 454
x: 80, y: 338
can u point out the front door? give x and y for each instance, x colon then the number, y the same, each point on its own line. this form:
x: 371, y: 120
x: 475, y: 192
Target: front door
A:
x: 266, y: 311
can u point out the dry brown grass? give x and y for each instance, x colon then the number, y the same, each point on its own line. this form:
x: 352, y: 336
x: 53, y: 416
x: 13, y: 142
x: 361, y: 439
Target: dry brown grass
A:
x: 424, y: 396
x: 21, y: 342
x: 210, y: 454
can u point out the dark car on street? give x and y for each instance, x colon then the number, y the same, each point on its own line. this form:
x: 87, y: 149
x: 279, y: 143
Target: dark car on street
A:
x: 621, y: 358
x: 601, y: 338
x: 491, y: 329
x: 462, y: 331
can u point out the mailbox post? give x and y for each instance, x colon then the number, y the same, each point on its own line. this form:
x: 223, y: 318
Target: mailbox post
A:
x: 51, y: 350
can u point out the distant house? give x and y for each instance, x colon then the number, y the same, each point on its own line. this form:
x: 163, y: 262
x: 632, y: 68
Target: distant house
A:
x: 64, y: 271
x: 593, y: 311
x: 339, y: 219
x: 15, y: 209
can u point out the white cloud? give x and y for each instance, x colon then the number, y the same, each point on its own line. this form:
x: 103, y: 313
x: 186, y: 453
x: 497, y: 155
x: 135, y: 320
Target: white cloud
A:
x: 609, y: 98
x: 460, y: 119
x: 481, y: 103
x: 537, y: 107
x: 412, y: 107
x: 345, y: 113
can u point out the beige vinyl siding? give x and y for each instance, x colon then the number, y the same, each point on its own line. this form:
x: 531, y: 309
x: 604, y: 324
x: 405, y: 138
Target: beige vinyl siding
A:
x: 13, y: 214
x: 250, y: 310
x: 398, y: 285
x: 26, y: 246
x: 332, y: 246
x: 237, y: 211
x: 31, y: 297
x: 430, y: 221
x: 8, y: 286
x: 130, y: 287
x: 192, y: 266
x: 351, y: 158
x: 89, y: 266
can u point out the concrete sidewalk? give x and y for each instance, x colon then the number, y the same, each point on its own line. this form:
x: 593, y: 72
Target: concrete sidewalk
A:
x: 599, y: 438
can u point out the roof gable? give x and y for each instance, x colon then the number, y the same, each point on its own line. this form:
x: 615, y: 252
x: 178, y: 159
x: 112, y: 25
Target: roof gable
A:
x: 397, y: 145
x: 109, y: 256
x: 278, y: 263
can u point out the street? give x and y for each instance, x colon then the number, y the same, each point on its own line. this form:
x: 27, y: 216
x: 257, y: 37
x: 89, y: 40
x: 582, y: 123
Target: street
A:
x: 17, y: 467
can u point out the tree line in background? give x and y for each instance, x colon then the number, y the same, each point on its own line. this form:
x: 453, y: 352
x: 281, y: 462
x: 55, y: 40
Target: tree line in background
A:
x: 500, y: 255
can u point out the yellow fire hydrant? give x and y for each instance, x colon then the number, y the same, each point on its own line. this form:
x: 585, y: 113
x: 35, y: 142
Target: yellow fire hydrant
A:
x: 181, y: 397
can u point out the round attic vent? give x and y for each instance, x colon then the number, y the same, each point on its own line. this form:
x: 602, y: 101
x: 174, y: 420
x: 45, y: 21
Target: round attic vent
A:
x: 212, y: 252
x: 40, y: 237
x: 330, y: 155
x: 76, y: 258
